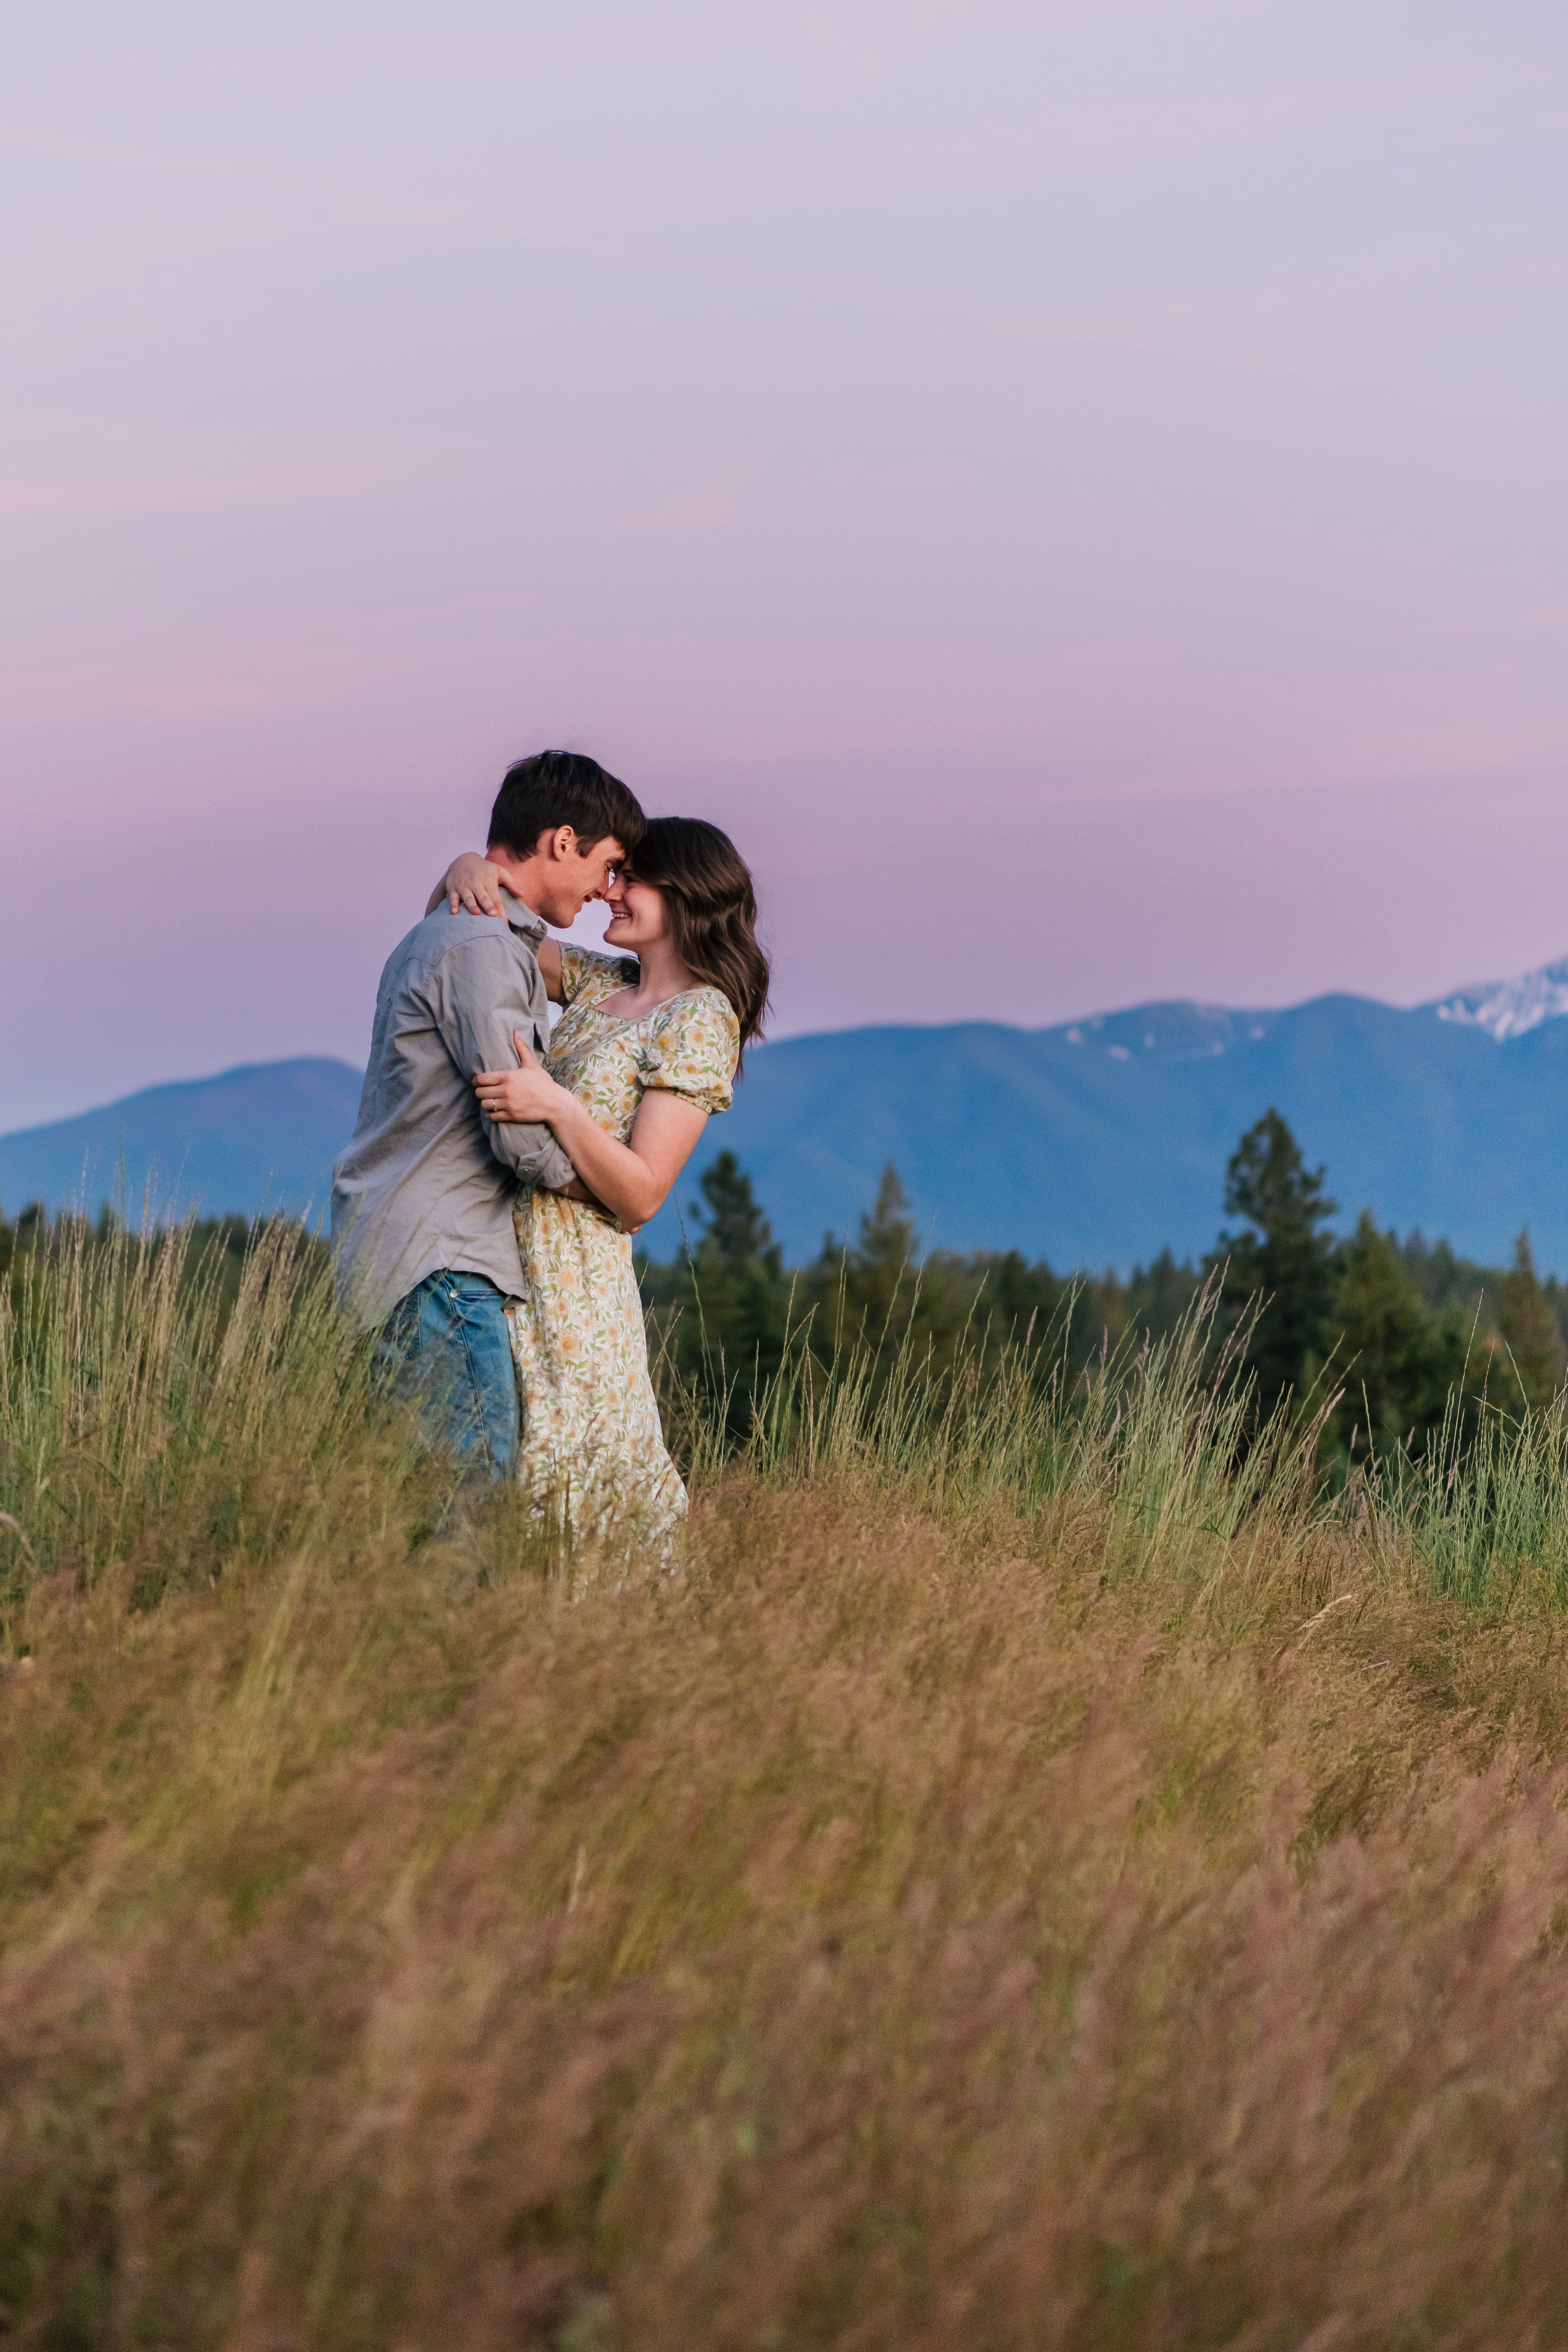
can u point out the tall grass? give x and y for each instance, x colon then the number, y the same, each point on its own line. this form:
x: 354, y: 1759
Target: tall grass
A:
x: 1047, y: 1872
x: 1166, y: 1433
x: 145, y: 1418
x: 1488, y: 1506
x: 1164, y: 1425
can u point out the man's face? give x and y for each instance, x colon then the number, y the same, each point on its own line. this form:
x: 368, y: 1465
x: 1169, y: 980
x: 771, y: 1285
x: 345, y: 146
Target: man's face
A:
x: 575, y: 874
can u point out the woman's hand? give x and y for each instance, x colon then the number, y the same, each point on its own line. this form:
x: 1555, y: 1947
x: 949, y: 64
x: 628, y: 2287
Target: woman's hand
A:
x: 470, y: 881
x: 630, y: 1181
x: 520, y: 1097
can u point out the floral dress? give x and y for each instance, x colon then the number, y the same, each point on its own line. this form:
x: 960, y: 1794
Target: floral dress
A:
x: 592, y: 1452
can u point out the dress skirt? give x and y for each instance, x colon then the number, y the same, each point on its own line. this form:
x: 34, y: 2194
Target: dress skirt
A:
x: 592, y: 1457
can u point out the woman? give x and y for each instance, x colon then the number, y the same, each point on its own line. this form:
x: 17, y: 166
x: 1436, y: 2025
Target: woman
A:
x: 644, y: 1054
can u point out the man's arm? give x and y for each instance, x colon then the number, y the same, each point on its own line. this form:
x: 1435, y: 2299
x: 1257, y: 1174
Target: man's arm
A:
x: 477, y: 1000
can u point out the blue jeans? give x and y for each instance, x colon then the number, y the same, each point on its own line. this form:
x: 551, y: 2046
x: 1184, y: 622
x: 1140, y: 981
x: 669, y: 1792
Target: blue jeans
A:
x: 447, y: 1347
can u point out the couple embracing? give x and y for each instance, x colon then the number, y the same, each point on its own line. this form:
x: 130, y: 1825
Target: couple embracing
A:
x: 482, y: 1214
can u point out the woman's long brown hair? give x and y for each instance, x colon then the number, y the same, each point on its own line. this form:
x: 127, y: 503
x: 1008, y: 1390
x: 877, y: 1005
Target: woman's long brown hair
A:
x: 706, y: 884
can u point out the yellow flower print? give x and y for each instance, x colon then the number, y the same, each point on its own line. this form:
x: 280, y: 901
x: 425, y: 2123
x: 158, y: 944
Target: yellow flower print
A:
x: 592, y: 1446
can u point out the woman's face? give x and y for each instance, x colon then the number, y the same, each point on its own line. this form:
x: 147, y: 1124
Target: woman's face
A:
x: 637, y: 916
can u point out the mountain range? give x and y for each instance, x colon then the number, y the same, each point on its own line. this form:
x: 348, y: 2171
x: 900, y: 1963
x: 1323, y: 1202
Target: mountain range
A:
x: 260, y: 1137
x: 1094, y: 1143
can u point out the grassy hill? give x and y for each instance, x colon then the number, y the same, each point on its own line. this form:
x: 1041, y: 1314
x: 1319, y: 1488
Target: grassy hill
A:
x: 1040, y: 1875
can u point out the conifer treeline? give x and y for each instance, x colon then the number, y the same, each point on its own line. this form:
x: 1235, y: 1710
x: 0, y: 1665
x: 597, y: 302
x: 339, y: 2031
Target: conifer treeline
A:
x: 1394, y: 1327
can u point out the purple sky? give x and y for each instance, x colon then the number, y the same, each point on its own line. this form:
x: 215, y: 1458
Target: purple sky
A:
x: 1077, y: 490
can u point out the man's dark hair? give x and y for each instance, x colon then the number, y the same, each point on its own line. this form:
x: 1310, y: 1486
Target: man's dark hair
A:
x: 556, y: 788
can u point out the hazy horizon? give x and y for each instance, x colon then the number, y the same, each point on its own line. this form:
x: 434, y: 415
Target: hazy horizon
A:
x: 586, y: 932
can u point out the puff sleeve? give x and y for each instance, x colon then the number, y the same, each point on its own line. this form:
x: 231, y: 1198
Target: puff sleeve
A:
x: 588, y: 975
x: 693, y: 1046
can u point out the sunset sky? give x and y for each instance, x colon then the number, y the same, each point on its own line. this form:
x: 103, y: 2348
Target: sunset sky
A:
x: 1076, y: 490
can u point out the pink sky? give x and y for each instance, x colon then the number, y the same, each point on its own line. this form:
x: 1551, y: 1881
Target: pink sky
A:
x: 1077, y: 490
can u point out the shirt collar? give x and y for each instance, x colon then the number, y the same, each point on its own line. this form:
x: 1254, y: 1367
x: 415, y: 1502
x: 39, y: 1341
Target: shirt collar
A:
x: 522, y: 919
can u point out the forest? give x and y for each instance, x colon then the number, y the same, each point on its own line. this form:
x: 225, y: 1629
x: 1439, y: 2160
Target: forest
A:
x: 1393, y: 1329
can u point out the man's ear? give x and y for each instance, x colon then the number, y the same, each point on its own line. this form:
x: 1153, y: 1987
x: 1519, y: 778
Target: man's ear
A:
x: 554, y: 844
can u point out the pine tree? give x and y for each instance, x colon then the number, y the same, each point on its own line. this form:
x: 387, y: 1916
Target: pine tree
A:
x: 732, y: 1230
x: 887, y: 1242
x: 1284, y: 1263
x: 730, y: 1339
x: 1390, y: 1353
x: 881, y: 1292
x: 1019, y: 1300
x: 866, y: 1288
x: 1161, y: 1297
x: 1533, y: 1342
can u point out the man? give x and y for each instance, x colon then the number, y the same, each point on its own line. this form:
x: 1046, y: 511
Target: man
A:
x: 422, y: 1199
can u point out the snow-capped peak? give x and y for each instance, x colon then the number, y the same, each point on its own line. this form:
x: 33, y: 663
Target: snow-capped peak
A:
x: 1507, y: 1008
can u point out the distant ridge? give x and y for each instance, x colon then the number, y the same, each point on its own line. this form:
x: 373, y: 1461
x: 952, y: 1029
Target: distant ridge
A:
x: 1098, y: 1142
x: 1095, y: 1143
x: 261, y: 1136
x: 1508, y: 1008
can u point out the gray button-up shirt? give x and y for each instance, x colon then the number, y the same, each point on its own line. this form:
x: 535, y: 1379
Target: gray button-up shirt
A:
x: 428, y: 1182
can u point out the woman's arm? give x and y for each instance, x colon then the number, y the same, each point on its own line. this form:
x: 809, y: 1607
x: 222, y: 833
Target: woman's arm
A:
x: 631, y: 1179
x: 472, y: 881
